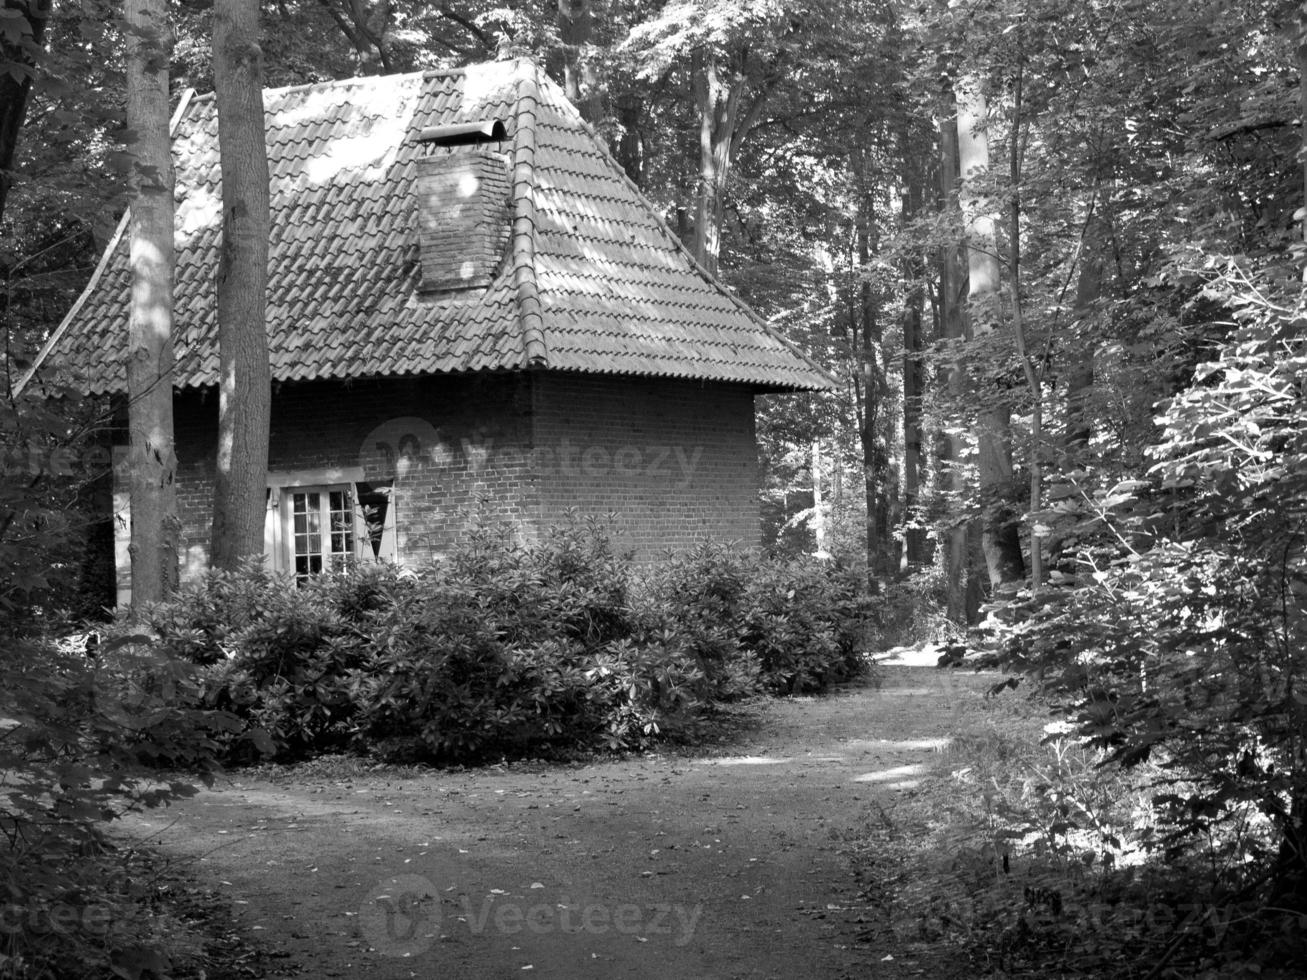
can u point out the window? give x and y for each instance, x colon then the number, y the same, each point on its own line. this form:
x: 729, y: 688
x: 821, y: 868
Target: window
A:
x: 315, y: 528
x: 323, y: 537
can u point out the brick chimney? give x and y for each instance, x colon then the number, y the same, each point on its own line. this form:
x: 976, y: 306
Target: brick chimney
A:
x: 463, y: 216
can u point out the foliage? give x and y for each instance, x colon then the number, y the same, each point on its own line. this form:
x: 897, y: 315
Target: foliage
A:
x: 787, y: 626
x: 807, y: 622
x: 507, y: 649
x: 512, y: 649
x: 276, y: 655
x: 81, y: 742
x: 54, y: 546
x: 914, y: 610
x: 1024, y: 855
x: 1184, y: 648
x: 696, y: 597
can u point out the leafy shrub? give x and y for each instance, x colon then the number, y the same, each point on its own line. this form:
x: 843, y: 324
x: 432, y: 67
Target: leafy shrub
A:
x: 277, y: 655
x: 81, y: 742
x: 757, y: 623
x: 807, y: 622
x: 571, y: 583
x: 914, y: 610
x: 509, y: 649
x: 695, y: 599
x: 1183, y: 645
x: 200, y: 623
x: 512, y: 649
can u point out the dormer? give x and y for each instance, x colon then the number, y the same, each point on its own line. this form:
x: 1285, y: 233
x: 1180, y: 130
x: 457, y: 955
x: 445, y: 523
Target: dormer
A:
x: 463, y: 191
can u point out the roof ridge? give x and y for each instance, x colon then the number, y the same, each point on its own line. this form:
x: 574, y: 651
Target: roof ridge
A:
x: 529, y: 316
x: 183, y: 104
x: 711, y: 279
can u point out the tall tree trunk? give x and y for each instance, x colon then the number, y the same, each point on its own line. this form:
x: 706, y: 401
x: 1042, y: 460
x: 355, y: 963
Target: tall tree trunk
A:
x: 949, y: 452
x: 16, y: 84
x: 875, y: 458
x: 713, y: 162
x: 630, y: 146
x: 818, y: 503
x: 1000, y: 535
x: 914, y: 379
x: 580, y: 83
x: 1079, y: 385
x: 1034, y: 373
x: 724, y: 122
x: 152, y: 459
x: 244, y: 391
x: 1302, y: 113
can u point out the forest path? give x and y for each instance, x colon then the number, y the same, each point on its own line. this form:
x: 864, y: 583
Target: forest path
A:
x: 724, y: 863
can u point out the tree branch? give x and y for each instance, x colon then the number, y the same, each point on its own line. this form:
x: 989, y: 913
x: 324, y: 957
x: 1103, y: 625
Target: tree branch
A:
x: 484, y: 39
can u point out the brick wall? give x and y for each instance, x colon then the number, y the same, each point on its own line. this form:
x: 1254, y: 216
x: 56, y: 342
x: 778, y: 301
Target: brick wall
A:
x: 456, y: 447
x: 674, y: 462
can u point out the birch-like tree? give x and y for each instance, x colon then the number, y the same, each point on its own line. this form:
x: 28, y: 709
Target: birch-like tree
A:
x: 152, y: 460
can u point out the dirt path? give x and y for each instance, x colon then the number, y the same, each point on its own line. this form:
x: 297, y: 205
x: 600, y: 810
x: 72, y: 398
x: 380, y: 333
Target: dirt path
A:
x: 722, y: 865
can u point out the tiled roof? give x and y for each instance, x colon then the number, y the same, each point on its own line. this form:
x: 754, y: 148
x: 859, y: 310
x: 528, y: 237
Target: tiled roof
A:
x: 594, y: 281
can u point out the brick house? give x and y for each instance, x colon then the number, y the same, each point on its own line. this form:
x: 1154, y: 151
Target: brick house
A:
x: 472, y: 315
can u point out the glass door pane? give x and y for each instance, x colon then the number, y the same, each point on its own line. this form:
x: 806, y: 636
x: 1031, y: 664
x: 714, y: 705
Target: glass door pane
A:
x: 340, y: 519
x: 306, y: 507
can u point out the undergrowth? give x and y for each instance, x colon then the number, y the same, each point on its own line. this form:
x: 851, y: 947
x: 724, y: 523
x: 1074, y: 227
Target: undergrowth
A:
x: 1031, y: 859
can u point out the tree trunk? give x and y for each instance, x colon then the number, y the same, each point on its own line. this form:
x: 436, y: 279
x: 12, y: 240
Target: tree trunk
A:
x: 875, y: 458
x: 152, y: 459
x: 818, y: 504
x: 1302, y: 114
x: 712, y: 163
x: 244, y: 392
x: 16, y: 85
x: 723, y: 125
x: 580, y: 83
x: 952, y: 290
x: 1001, y: 535
x: 630, y: 147
x: 1033, y: 372
x: 914, y: 379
